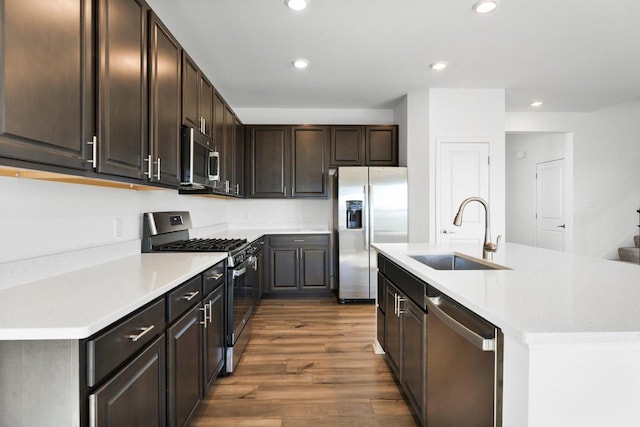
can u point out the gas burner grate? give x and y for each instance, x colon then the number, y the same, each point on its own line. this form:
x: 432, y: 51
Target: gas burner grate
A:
x: 202, y: 245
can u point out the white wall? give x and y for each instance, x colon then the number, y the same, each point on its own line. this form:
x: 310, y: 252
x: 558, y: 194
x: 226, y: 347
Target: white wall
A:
x: 412, y: 114
x: 606, y: 145
x: 470, y: 114
x: 316, y: 116
x: 521, y: 180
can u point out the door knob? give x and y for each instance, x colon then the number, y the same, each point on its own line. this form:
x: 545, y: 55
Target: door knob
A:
x: 561, y: 226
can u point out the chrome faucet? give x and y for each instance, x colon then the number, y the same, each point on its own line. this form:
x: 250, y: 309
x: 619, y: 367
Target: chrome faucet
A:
x: 488, y: 248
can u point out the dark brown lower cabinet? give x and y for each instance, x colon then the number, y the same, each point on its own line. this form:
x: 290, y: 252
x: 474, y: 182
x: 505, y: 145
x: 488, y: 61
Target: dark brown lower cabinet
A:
x: 213, y: 336
x: 136, y: 395
x: 184, y: 359
x: 298, y: 264
x: 405, y: 343
x: 393, y: 333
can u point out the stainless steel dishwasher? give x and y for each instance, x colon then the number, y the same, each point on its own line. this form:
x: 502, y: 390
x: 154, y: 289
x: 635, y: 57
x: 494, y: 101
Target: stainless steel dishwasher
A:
x: 464, y: 366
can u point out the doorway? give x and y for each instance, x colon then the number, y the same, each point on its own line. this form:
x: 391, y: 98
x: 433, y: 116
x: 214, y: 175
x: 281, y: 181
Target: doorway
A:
x: 550, y: 156
x: 550, y: 220
x: 463, y: 171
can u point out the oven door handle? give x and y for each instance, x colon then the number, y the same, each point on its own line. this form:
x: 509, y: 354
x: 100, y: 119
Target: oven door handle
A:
x: 239, y: 272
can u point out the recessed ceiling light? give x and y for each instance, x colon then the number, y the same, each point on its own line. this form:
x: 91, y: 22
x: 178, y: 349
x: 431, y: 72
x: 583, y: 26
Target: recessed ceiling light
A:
x: 485, y: 6
x: 438, y: 66
x: 536, y: 103
x: 296, y: 4
x: 301, y: 63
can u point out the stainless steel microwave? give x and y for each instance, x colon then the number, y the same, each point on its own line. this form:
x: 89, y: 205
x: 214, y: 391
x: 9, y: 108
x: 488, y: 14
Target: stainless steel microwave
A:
x: 200, y: 162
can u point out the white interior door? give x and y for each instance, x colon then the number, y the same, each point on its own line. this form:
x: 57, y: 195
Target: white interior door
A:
x: 550, y: 213
x: 462, y: 171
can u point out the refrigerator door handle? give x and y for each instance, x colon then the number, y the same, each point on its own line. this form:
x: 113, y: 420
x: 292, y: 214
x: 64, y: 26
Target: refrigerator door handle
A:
x: 371, y: 216
x: 367, y: 212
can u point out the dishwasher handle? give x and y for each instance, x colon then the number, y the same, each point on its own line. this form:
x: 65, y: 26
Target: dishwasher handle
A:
x: 483, y: 343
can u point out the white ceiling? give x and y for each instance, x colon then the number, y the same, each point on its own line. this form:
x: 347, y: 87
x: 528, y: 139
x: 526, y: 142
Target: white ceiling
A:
x: 575, y: 55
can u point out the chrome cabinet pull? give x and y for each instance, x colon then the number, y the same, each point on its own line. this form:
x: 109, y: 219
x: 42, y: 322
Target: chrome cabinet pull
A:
x: 400, y: 301
x: 158, y: 166
x: 237, y: 189
x: 143, y: 332
x: 214, y: 276
x: 190, y: 295
x: 395, y: 304
x: 148, y: 161
x: 206, y: 317
x: 210, y: 311
x: 298, y: 240
x: 94, y: 160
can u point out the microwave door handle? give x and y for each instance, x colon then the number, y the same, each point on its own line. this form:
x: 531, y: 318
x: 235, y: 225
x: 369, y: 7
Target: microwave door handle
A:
x: 211, y: 177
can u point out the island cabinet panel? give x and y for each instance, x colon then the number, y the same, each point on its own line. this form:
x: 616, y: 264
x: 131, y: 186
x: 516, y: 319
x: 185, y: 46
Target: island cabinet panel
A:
x: 269, y: 161
x: 405, y: 333
x: 136, y: 396
x: 309, y: 166
x: 381, y: 146
x: 47, y: 84
x: 165, y: 84
x: 347, y: 146
x: 393, y: 337
x: 122, y: 88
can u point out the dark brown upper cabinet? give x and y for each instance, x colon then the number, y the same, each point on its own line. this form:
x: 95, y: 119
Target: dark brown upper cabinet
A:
x: 190, y: 93
x: 122, y: 88
x: 238, y: 158
x: 227, y: 150
x: 47, y: 84
x: 269, y: 161
x: 308, y: 166
x: 165, y: 83
x: 219, y: 138
x: 197, y: 98
x: 288, y: 161
x: 206, y: 107
x: 363, y: 146
x: 347, y: 146
x: 381, y: 146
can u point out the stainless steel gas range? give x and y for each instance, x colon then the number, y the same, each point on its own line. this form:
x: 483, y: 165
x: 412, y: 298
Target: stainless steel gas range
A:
x: 169, y: 232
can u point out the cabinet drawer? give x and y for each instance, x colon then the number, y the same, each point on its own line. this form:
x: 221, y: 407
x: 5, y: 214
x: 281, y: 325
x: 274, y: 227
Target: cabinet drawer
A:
x: 184, y: 296
x: 213, y: 277
x: 119, y: 342
x: 299, y: 240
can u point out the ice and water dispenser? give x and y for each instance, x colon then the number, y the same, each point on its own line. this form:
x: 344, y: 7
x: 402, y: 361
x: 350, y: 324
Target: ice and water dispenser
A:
x: 354, y: 213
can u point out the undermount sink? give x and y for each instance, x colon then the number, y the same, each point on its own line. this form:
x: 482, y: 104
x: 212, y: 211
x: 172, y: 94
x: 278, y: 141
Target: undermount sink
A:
x: 455, y: 262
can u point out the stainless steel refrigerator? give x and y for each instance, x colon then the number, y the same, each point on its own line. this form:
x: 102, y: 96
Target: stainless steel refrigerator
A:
x: 370, y: 206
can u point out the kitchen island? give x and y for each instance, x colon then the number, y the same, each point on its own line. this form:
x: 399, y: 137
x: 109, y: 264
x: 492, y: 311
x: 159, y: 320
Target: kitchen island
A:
x: 571, y: 329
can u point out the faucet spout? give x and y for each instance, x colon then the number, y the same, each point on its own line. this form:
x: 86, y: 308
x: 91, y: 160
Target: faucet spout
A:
x: 488, y: 248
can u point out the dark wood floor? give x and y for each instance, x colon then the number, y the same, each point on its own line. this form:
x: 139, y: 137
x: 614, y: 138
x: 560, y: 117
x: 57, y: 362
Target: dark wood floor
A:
x: 309, y: 363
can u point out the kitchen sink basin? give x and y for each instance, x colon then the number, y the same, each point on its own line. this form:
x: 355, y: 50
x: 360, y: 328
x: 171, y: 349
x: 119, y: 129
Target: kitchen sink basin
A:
x: 455, y: 262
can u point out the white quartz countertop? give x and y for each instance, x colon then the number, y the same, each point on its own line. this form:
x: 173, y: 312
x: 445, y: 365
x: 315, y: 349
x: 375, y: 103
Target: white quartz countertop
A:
x: 253, y: 234
x: 78, y: 304
x: 545, y: 297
